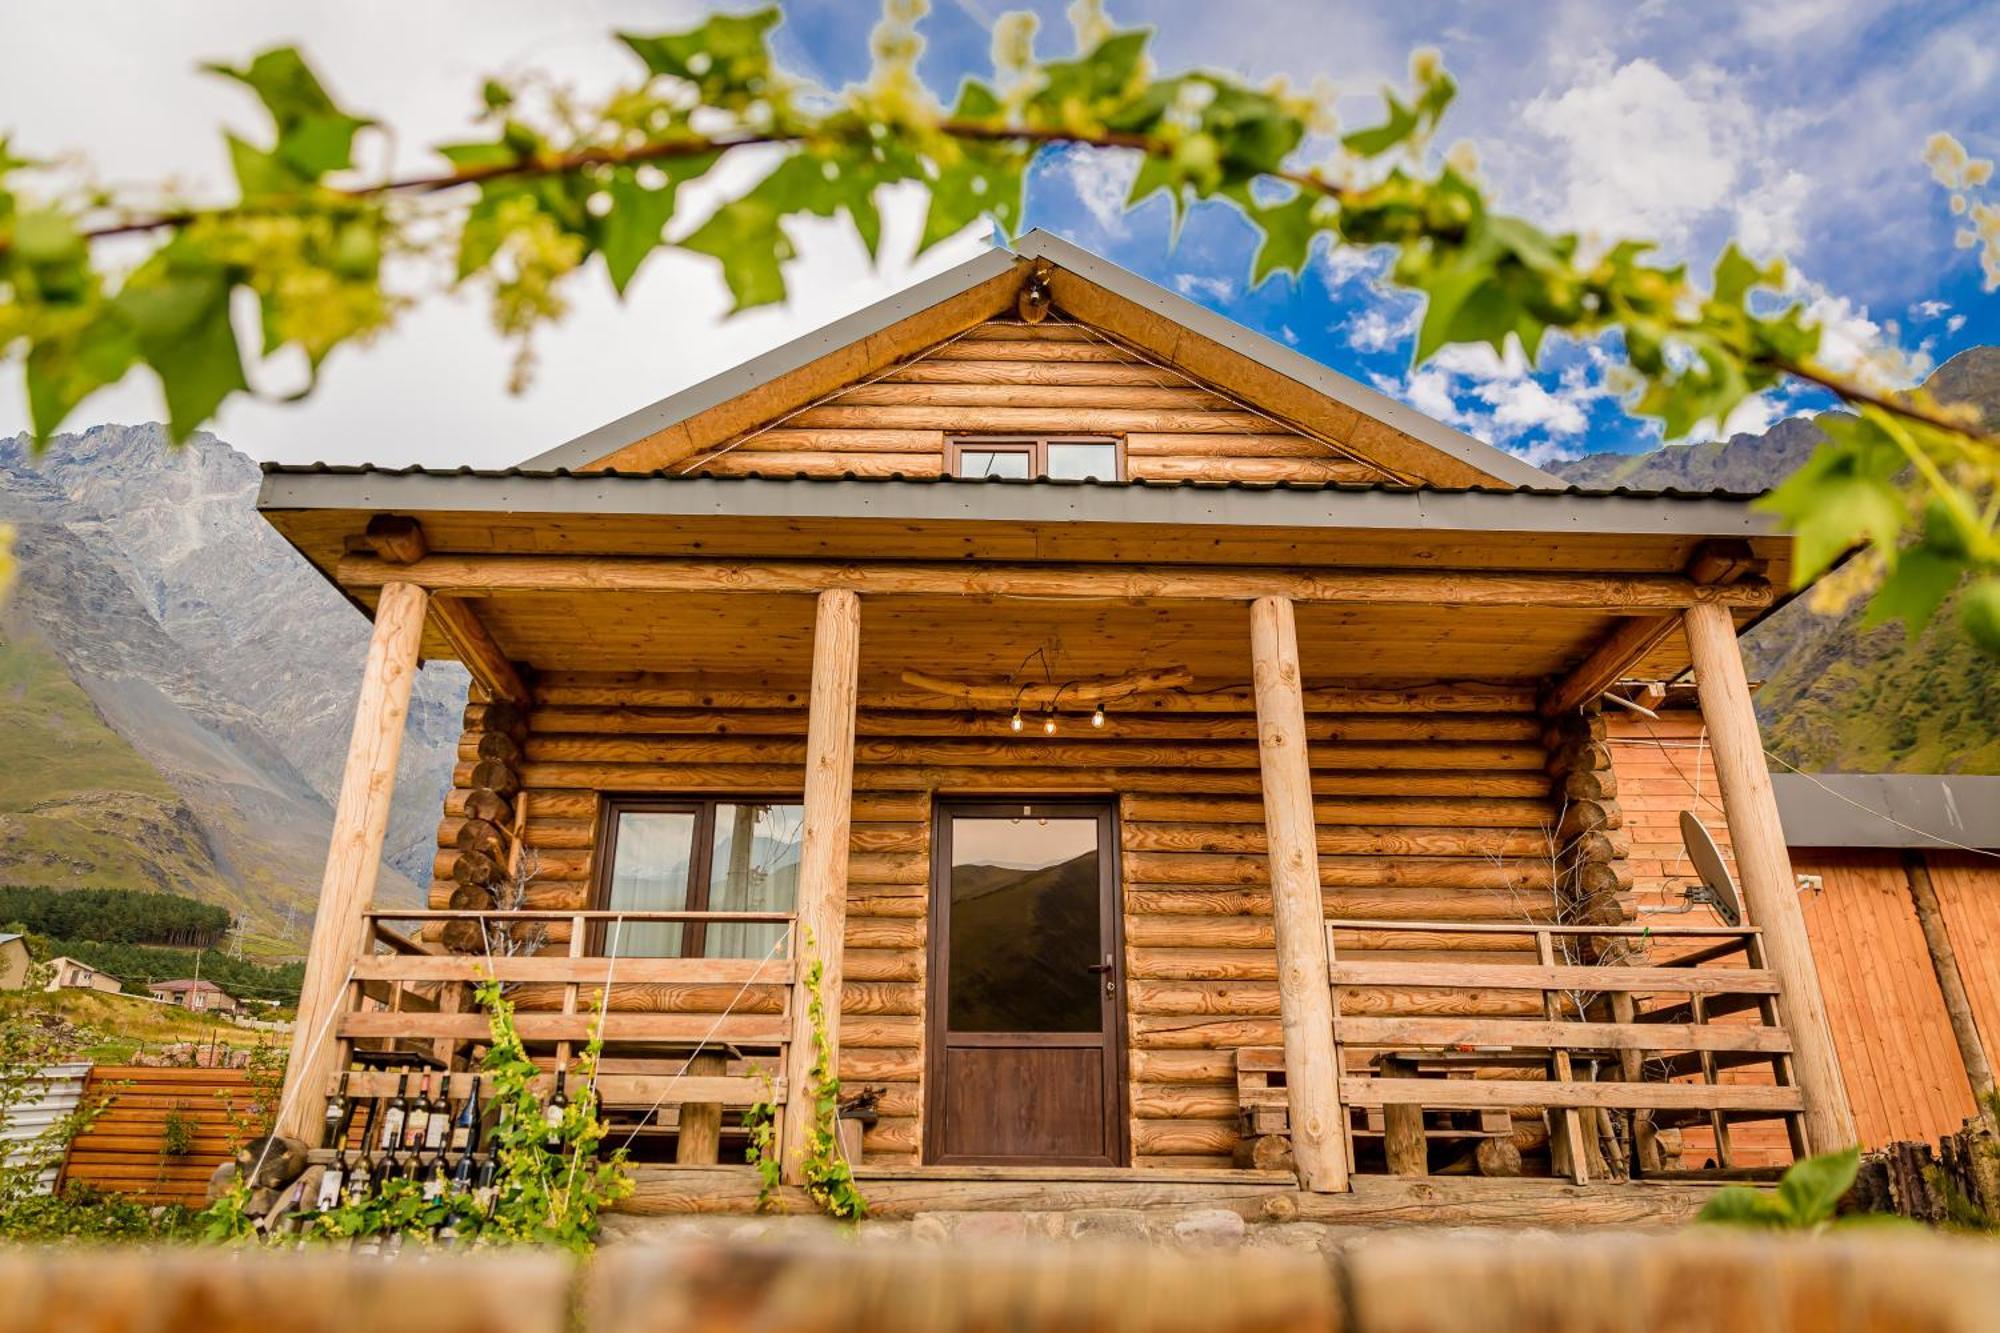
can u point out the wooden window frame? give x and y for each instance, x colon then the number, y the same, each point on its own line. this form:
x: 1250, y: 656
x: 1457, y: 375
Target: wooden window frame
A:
x: 701, y: 863
x: 1035, y: 446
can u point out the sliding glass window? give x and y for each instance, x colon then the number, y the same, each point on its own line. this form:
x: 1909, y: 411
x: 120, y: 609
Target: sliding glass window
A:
x: 699, y: 855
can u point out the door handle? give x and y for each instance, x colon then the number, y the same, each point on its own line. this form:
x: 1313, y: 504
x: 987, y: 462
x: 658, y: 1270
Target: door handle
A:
x: 1099, y: 968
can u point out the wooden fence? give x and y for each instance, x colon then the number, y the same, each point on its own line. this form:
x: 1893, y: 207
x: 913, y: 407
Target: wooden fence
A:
x: 125, y: 1150
x: 1730, y: 1282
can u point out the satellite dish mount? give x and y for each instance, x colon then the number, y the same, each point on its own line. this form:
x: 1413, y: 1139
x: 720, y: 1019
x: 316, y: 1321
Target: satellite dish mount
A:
x: 1714, y: 889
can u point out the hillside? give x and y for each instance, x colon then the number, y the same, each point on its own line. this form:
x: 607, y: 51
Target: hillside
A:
x: 1837, y: 697
x: 179, y: 685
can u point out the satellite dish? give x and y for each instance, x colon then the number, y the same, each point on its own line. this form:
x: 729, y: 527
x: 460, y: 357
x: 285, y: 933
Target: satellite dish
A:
x: 1716, y: 889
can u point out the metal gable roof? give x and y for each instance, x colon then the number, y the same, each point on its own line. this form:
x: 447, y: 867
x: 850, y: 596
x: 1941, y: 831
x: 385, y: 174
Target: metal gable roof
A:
x: 597, y: 444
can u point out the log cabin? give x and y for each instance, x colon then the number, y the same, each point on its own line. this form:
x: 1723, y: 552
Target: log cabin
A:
x: 1179, y: 768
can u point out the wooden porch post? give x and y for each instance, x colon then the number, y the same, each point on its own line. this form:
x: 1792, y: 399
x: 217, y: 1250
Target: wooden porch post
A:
x: 1770, y: 895
x: 822, y: 903
x: 1298, y: 914
x: 354, y: 859
x: 1951, y: 982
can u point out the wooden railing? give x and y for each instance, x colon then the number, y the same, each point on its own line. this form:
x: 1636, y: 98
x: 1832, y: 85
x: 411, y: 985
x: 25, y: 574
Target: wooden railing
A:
x: 1631, y: 1037
x: 676, y: 1031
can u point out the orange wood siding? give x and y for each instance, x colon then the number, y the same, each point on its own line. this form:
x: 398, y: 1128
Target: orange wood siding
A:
x: 1058, y: 377
x: 1896, y: 1051
x: 124, y: 1150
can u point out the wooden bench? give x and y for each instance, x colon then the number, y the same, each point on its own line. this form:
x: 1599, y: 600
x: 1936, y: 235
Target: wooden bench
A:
x: 1264, y: 1124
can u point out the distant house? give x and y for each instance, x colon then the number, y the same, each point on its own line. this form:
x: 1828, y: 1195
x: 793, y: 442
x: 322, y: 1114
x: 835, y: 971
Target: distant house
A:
x: 13, y: 962
x: 196, y: 993
x: 69, y: 974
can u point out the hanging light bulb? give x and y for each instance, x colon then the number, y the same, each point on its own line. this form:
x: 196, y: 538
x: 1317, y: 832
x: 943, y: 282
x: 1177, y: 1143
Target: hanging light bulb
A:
x: 1014, y: 722
x: 1049, y: 725
x: 1097, y: 716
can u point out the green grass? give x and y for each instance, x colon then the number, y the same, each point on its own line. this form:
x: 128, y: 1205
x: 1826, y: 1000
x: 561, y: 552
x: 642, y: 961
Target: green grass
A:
x: 119, y: 1026
x: 53, y: 744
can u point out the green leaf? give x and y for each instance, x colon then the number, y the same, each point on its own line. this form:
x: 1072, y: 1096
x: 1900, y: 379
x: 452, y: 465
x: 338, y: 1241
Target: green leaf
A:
x: 1812, y: 1189
x: 45, y: 236
x: 1739, y: 1205
x: 1398, y: 126
x: 314, y: 135
x: 179, y: 312
x: 1979, y: 615
x: 634, y: 227
x: 1841, y: 495
x: 1288, y: 228
x: 727, y: 55
x: 1914, y: 588
x: 62, y: 373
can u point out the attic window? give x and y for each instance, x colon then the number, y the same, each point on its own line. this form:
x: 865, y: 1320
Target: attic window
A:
x: 1059, y: 457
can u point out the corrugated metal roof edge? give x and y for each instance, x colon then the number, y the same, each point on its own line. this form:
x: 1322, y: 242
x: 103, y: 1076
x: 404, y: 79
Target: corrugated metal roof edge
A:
x: 1344, y: 487
x: 1928, y: 811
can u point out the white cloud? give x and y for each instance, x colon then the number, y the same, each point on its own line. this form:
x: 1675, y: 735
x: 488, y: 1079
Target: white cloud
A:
x: 1636, y: 151
x: 1954, y: 324
x: 1203, y: 287
x: 1381, y: 327
x: 1102, y: 180
x: 1930, y: 309
x: 1501, y: 399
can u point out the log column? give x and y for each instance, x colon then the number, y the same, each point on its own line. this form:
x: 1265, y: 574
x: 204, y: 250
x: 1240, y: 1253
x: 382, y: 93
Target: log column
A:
x: 1770, y: 894
x: 1298, y: 914
x: 1951, y: 982
x: 822, y: 904
x: 354, y: 859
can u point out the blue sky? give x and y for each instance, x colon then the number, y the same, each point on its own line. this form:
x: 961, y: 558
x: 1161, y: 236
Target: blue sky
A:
x: 1796, y: 125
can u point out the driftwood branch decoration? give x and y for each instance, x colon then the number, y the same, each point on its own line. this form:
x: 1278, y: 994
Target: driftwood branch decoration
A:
x: 1097, y: 690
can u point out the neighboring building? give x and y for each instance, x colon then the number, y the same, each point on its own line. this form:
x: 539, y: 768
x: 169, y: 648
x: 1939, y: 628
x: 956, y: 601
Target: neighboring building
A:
x: 69, y: 974
x: 1098, y: 692
x: 1876, y: 855
x: 14, y: 962
x: 197, y: 993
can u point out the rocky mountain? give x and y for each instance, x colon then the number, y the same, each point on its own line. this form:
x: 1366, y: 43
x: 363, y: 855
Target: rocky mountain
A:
x: 1838, y: 697
x: 176, y: 685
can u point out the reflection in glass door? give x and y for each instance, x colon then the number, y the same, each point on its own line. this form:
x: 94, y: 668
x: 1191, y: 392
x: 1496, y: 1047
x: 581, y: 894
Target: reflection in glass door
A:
x: 1025, y: 1065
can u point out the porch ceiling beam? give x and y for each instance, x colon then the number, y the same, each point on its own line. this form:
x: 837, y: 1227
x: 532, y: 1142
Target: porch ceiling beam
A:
x: 1718, y: 568
x: 1618, y: 594
x: 399, y: 542
x: 476, y: 648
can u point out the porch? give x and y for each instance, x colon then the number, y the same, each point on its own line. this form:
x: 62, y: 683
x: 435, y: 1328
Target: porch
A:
x: 1363, y: 891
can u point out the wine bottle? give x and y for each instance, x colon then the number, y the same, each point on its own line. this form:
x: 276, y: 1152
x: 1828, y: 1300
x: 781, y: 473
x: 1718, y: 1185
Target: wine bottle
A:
x: 552, y: 1113
x: 434, y: 1179
x: 419, y: 1116
x: 437, y: 1121
x: 466, y: 1128
x: 330, y: 1184
x: 393, y: 1117
x: 461, y: 1171
x: 362, y: 1175
x: 336, y: 1115
x: 487, y: 1172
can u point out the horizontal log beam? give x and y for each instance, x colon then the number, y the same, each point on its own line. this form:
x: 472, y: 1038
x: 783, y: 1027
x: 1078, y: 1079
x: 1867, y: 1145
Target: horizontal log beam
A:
x: 1674, y: 980
x: 1479, y: 1094
x: 491, y: 575
x: 1430, y: 1032
x: 738, y: 1029
x: 590, y: 970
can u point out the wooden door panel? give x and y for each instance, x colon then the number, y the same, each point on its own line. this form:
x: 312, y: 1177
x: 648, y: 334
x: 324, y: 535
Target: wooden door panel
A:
x: 1024, y: 1105
x: 1025, y: 1007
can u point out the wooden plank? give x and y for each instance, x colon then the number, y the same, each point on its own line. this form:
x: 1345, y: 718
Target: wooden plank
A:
x: 1479, y: 1094
x: 1951, y: 982
x: 1312, y: 1058
x: 1664, y: 980
x: 585, y: 970
x: 354, y: 858
x: 491, y: 575
x: 741, y: 1029
x: 1770, y: 897
x: 1608, y: 662
x: 823, y: 863
x: 612, y: 1089
x: 1356, y: 1031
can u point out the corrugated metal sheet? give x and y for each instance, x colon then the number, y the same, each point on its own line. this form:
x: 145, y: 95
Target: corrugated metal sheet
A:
x: 61, y: 1092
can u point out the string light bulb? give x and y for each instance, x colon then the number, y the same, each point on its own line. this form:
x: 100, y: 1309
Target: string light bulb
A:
x: 1014, y: 722
x: 1097, y: 716
x: 1049, y: 725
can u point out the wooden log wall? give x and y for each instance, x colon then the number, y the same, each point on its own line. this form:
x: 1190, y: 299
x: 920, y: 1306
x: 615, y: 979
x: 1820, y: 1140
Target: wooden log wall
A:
x: 1890, y: 1027
x: 1431, y: 803
x: 1056, y: 377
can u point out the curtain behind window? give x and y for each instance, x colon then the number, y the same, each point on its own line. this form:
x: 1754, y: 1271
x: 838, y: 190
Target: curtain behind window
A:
x: 655, y: 851
x: 755, y: 868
